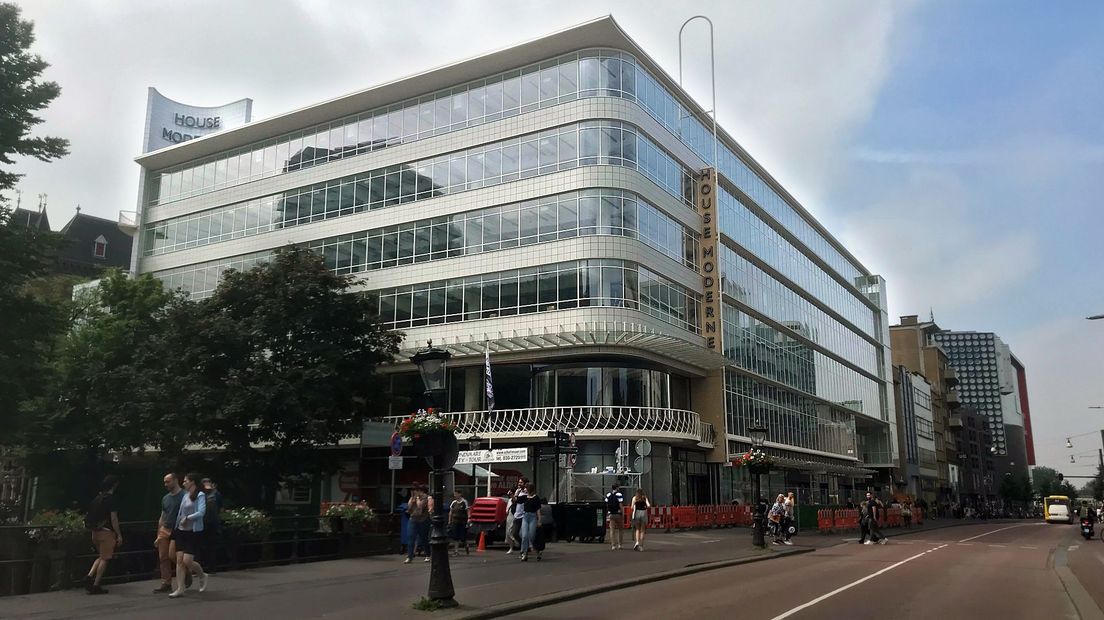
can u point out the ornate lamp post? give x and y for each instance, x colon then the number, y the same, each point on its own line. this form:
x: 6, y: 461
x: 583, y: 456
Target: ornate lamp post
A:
x: 431, y: 363
x: 758, y: 435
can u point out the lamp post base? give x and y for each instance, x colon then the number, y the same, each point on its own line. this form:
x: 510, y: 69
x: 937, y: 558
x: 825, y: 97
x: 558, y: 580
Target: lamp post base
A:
x: 759, y: 517
x: 441, y: 589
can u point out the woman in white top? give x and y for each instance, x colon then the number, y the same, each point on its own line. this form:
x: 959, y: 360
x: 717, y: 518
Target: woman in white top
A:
x: 187, y: 532
x: 640, y: 506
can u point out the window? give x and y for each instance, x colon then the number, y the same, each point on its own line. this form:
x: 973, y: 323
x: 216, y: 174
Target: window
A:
x: 99, y: 247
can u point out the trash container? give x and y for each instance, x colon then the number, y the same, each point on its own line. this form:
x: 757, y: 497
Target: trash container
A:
x: 582, y: 521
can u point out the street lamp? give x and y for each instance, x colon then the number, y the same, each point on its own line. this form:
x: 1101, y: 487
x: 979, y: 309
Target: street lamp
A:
x: 431, y: 363
x: 758, y: 435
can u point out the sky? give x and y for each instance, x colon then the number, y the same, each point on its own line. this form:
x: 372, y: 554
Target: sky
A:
x: 955, y: 148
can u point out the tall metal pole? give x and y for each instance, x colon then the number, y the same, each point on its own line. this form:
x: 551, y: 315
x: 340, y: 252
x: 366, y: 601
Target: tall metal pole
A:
x: 712, y: 76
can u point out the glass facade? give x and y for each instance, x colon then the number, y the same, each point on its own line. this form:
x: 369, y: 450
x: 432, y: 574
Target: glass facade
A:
x: 583, y: 144
x: 561, y: 286
x: 758, y: 347
x: 752, y: 233
x: 753, y: 287
x: 790, y: 418
x: 609, y: 386
x: 563, y: 216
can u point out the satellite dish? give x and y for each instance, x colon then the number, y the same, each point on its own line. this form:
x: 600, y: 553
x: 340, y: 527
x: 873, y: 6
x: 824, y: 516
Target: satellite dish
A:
x: 643, y: 447
x: 642, y: 465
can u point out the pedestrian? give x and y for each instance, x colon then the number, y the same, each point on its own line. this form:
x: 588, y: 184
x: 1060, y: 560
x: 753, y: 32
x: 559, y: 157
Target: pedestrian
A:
x: 874, y: 508
x: 788, y: 521
x: 102, y: 520
x: 775, y: 516
x: 458, y: 522
x: 850, y: 504
x: 187, y: 534
x: 906, y: 515
x: 212, y: 526
x: 640, y: 506
x: 165, y: 545
x: 615, y: 516
x: 530, y: 522
x: 864, y: 521
x: 511, y: 538
x: 419, y: 508
x: 518, y: 510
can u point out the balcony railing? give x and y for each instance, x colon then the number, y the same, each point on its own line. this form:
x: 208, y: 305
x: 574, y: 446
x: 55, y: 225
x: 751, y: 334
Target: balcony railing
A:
x: 587, y: 422
x: 953, y: 400
x: 877, y: 458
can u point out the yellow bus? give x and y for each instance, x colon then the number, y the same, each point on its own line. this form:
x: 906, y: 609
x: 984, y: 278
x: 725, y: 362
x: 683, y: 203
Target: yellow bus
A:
x: 1056, y: 509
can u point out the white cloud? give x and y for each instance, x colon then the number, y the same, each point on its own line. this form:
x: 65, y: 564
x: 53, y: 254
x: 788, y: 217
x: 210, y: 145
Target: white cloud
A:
x: 932, y: 252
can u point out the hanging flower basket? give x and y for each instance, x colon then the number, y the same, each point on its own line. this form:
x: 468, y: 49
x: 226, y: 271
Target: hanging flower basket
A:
x: 757, y: 461
x: 432, y: 436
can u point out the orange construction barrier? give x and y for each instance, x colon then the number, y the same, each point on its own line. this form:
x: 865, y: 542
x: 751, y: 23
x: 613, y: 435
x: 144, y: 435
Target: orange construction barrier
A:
x: 825, y: 521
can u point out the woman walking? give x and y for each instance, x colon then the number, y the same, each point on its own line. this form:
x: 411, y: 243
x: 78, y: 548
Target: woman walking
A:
x: 187, y: 533
x: 530, y: 522
x: 640, y: 506
x: 458, y: 522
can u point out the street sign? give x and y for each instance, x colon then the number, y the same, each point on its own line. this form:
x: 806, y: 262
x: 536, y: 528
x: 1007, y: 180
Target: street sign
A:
x: 376, y: 434
x: 394, y: 462
x: 503, y: 455
x: 396, y: 444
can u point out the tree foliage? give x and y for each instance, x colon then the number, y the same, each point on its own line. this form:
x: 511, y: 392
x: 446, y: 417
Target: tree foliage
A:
x: 23, y: 94
x: 1045, y: 481
x: 29, y: 324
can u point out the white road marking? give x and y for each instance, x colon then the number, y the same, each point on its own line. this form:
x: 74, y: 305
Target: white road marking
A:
x: 995, y: 531
x: 653, y: 541
x: 853, y: 584
x: 1026, y: 547
x: 965, y: 544
x: 1001, y: 546
x: 1073, y: 547
x: 712, y: 540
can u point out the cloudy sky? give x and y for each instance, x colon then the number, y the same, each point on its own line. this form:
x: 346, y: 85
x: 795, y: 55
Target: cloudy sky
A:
x: 956, y: 148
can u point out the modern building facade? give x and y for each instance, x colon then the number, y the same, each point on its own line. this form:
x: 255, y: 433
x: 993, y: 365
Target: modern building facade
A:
x: 918, y: 472
x: 562, y: 205
x: 990, y: 386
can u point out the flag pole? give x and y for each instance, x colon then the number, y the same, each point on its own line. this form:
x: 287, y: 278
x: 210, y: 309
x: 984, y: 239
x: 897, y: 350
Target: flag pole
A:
x: 489, y: 389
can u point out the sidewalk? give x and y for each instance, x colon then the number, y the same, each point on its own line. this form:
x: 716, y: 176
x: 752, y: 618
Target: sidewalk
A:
x: 385, y: 587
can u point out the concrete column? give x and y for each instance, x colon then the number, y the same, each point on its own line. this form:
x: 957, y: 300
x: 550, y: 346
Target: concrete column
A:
x: 473, y: 395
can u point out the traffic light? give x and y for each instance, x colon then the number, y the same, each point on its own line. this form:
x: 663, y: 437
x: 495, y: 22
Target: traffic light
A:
x: 1061, y: 477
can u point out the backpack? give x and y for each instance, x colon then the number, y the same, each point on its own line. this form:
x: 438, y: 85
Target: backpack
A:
x: 95, y: 518
x: 613, y: 502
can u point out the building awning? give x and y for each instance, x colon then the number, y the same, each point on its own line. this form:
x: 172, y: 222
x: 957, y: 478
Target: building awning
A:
x: 475, y: 471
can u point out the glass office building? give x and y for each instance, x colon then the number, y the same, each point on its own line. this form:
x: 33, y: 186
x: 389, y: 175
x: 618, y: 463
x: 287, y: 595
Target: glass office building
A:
x: 541, y: 203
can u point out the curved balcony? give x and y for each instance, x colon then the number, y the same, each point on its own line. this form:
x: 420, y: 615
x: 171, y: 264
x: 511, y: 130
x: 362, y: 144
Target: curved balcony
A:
x: 590, y: 422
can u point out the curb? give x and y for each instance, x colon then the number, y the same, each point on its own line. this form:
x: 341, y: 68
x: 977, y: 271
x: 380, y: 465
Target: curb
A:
x: 497, y: 611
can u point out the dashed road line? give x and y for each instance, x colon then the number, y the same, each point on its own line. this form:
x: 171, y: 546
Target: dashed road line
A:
x: 854, y: 583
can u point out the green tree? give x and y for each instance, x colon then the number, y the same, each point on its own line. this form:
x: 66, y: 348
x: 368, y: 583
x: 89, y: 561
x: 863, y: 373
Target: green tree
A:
x: 284, y: 357
x: 1045, y: 481
x: 23, y: 94
x: 28, y: 324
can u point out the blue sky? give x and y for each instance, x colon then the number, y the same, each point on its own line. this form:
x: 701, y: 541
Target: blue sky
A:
x: 955, y: 147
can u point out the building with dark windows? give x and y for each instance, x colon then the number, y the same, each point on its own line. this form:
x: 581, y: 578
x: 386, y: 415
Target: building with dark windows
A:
x: 554, y: 204
x: 990, y: 386
x: 93, y: 245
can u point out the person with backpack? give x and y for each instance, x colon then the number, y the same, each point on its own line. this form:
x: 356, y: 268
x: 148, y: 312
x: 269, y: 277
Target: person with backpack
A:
x: 458, y: 522
x: 419, y: 508
x: 615, y: 502
x: 188, y: 534
x: 102, y: 520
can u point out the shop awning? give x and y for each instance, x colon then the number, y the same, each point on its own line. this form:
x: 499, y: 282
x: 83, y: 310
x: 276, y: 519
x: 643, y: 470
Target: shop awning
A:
x: 474, y: 471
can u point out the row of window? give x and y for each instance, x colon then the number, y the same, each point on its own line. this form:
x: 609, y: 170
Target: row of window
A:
x: 754, y: 287
x: 760, y: 348
x: 582, y: 144
x: 738, y: 222
x: 924, y: 428
x: 592, y: 73
x: 790, y: 418
x: 564, y: 216
x: 589, y: 73
x: 560, y: 286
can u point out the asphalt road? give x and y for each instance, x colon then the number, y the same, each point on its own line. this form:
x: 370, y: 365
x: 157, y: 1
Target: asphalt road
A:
x: 983, y: 570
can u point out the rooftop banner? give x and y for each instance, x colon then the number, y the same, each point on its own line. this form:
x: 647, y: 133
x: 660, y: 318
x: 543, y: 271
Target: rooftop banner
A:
x: 170, y: 122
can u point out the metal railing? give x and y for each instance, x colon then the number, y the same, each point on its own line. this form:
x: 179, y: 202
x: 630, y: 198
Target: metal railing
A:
x: 588, y: 421
x: 28, y: 566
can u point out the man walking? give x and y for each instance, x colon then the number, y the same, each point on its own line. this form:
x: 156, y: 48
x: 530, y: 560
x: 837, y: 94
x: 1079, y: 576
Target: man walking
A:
x: 788, y: 517
x: 165, y: 545
x: 872, y: 508
x: 102, y: 520
x: 615, y: 515
x: 420, y: 507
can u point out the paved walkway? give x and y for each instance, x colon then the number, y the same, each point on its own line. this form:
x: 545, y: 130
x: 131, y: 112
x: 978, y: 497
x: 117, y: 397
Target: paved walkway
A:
x: 386, y: 587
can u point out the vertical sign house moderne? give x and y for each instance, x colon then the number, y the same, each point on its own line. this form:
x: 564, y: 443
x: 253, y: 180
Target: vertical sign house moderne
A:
x: 705, y: 198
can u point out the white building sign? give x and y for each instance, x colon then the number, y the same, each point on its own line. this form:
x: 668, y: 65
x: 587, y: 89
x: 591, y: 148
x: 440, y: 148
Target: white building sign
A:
x: 170, y: 122
x: 505, y: 455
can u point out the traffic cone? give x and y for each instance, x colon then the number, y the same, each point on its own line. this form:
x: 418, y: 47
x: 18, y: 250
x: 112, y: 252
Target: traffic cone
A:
x: 482, y: 542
